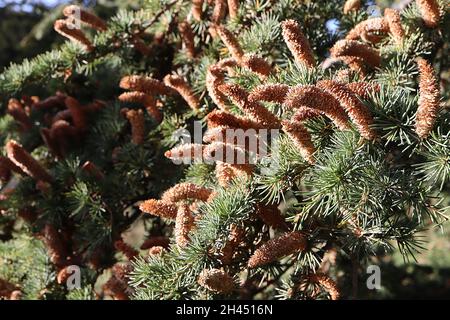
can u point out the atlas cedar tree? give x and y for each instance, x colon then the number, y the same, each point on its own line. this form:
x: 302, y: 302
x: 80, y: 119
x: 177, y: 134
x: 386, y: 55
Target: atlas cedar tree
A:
x: 358, y: 167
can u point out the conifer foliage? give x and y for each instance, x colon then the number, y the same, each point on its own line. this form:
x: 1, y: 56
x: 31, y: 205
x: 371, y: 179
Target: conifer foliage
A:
x: 95, y: 174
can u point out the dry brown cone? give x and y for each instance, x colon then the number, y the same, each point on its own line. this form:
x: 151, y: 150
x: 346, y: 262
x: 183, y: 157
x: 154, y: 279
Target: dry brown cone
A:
x: 186, y: 151
x: 63, y: 28
x: 159, y: 208
x: 297, y: 43
x: 355, y: 48
x: 56, y: 101
x: 6, y: 289
x: 219, y: 11
x: 17, y: 111
x: 429, y: 98
x: 352, y: 5
x: 301, y: 139
x: 59, y: 137
x: 225, y: 152
x: 216, y: 280
x: 153, y: 251
x: 254, y: 110
x: 187, y: 37
x: 304, y: 113
x: 256, y: 64
x: 126, y: 249
x: 219, y: 118
x: 155, y: 241
x: 184, y: 223
x: 137, y: 121
x: 8, y: 166
x: 116, y: 289
x: 230, y: 42
x: 235, y: 238
x: 271, y: 216
x: 55, y: 247
x: 78, y: 115
x: 318, y: 99
x: 355, y: 64
x: 215, y: 76
x: 269, y: 93
x: 179, y: 84
x: 363, y: 89
x: 50, y: 142
x: 63, y: 275
x: 371, y: 30
x: 91, y: 169
x: 197, y: 9
x: 65, y: 115
x: 233, y: 8
x: 225, y: 172
x: 21, y: 158
x: 327, y: 283
x: 185, y: 191
x: 274, y: 249
x: 86, y: 17
x: 357, y: 111
x: 145, y: 84
x: 394, y: 21
x: 148, y: 102
x: 429, y: 9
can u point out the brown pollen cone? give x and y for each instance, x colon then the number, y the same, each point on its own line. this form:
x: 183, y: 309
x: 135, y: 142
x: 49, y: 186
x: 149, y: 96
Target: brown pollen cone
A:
x: 216, y: 280
x: 355, y: 48
x: 74, y: 11
x: 395, y: 24
x: 429, y: 9
x: 22, y: 159
x: 272, y: 250
x: 301, y: 139
x: 184, y: 223
x: 297, y: 43
x: 352, y: 5
x: 180, y: 85
x: 148, y: 102
x: 77, y: 112
x: 17, y: 111
x: 159, y: 208
x: 185, y: 191
x: 187, y: 36
x: 137, y: 121
x: 145, y: 84
x: 62, y: 27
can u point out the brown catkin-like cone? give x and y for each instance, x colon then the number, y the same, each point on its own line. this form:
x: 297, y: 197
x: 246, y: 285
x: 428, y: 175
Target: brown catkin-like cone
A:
x: 148, y: 101
x: 186, y: 151
x: 271, y: 215
x: 356, y: 64
x: 318, y: 99
x: 301, y: 139
x: 269, y: 93
x: 62, y: 27
x: 254, y: 110
x: 230, y: 42
x: 197, y: 9
x: 55, y: 247
x: 187, y: 36
x: 159, y: 208
x: 137, y: 121
x: 277, y: 248
x: 357, y: 111
x: 225, y: 152
x: 363, y: 89
x: 140, y: 46
x: 327, y: 283
x: 226, y: 172
x: 116, y: 289
x: 233, y: 8
x: 304, y: 113
x: 17, y: 111
x: 352, y: 5
x: 297, y: 43
x: 126, y: 249
x: 372, y: 26
x: 393, y: 19
x: 157, y: 250
x: 6, y: 167
x: 219, y: 11
x: 214, y: 78
x: 355, y: 48
x: 56, y: 101
x: 216, y: 280
x: 429, y: 98
x: 186, y: 190
x: 219, y: 118
x: 60, y: 135
x: 184, y: 223
x: 179, y: 84
x: 78, y: 115
x: 256, y: 64
x: 86, y: 17
x: 145, y: 84
x: 21, y: 158
x: 429, y: 9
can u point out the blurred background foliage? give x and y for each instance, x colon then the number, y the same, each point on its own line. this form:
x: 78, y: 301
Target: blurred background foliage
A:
x: 26, y: 29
